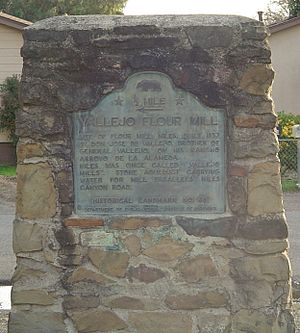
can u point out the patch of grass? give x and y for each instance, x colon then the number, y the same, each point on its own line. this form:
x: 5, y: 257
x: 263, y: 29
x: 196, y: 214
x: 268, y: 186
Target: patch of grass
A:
x: 289, y: 185
x: 7, y: 170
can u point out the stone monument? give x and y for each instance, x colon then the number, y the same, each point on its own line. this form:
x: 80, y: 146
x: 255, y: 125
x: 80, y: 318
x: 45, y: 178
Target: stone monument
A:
x: 149, y: 196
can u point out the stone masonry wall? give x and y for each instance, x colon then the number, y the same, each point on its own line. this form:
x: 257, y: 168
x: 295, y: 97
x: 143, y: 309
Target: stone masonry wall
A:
x: 149, y: 274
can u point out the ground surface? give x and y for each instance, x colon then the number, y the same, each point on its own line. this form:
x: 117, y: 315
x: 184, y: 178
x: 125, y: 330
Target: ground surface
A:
x: 292, y: 207
x: 7, y: 259
x: 3, y: 321
x: 7, y: 212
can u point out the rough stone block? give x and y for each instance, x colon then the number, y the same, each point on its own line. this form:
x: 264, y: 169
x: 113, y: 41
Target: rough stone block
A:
x: 210, y: 36
x: 97, y: 321
x: 205, y: 299
x: 83, y: 222
x: 36, y: 195
x: 223, y: 227
x: 253, y: 143
x: 36, y: 322
x: 126, y: 302
x: 267, y: 246
x: 24, y: 273
x: 257, y: 79
x: 133, y: 245
x: 111, y: 263
x: 267, y: 121
x: 270, y: 226
x: 264, y: 189
x: 209, y: 322
x: 253, y: 295
x: 167, y: 250
x: 33, y: 296
x: 197, y: 268
x: 29, y: 150
x: 270, y: 268
x: 151, y: 322
x: 80, y: 302
x: 144, y: 274
x: 255, y: 321
x: 83, y: 274
x: 27, y: 237
x: 137, y: 223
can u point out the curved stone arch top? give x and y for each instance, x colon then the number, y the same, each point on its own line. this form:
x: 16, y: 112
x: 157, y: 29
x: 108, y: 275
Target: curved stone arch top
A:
x: 149, y: 148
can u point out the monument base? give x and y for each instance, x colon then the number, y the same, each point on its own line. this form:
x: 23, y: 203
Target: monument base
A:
x: 149, y: 196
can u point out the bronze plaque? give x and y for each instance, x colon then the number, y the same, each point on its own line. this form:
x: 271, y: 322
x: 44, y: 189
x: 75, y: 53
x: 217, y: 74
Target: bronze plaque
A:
x: 149, y: 148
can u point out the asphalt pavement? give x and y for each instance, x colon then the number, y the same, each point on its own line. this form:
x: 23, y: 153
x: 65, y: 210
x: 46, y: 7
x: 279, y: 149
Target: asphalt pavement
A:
x: 292, y: 208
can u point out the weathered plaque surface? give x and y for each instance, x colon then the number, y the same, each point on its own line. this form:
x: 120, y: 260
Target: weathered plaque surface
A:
x: 149, y: 148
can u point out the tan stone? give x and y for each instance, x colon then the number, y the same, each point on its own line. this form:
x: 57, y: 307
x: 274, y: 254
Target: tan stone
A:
x: 248, y: 121
x: 83, y: 274
x: 153, y: 322
x: 126, y: 302
x: 205, y: 299
x: 145, y: 274
x: 197, y: 268
x: 36, y: 196
x: 29, y: 150
x: 209, y: 322
x: 251, y: 321
x: 264, y: 189
x: 50, y: 255
x: 264, y: 227
x: 168, y: 249
x: 238, y: 170
x: 83, y: 222
x: 270, y: 268
x: 137, y: 223
x: 257, y: 79
x: 286, y: 323
x: 253, y: 142
x: 76, y: 302
x: 255, y: 294
x: 97, y: 321
x: 34, y: 296
x: 133, y: 245
x: 111, y: 263
x: 26, y: 273
x: 267, y: 246
x: 27, y: 237
x: 36, y: 322
x: 263, y: 107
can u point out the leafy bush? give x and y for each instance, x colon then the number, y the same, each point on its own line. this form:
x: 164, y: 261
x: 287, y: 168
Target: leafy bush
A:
x: 286, y: 121
x: 288, y: 148
x: 10, y: 105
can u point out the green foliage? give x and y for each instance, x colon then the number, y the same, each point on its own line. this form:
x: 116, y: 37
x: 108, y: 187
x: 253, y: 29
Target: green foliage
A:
x: 294, y: 7
x: 9, y: 90
x: 286, y: 122
x: 7, y: 171
x: 288, y: 147
x: 277, y: 10
x: 34, y: 10
x: 289, y: 185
